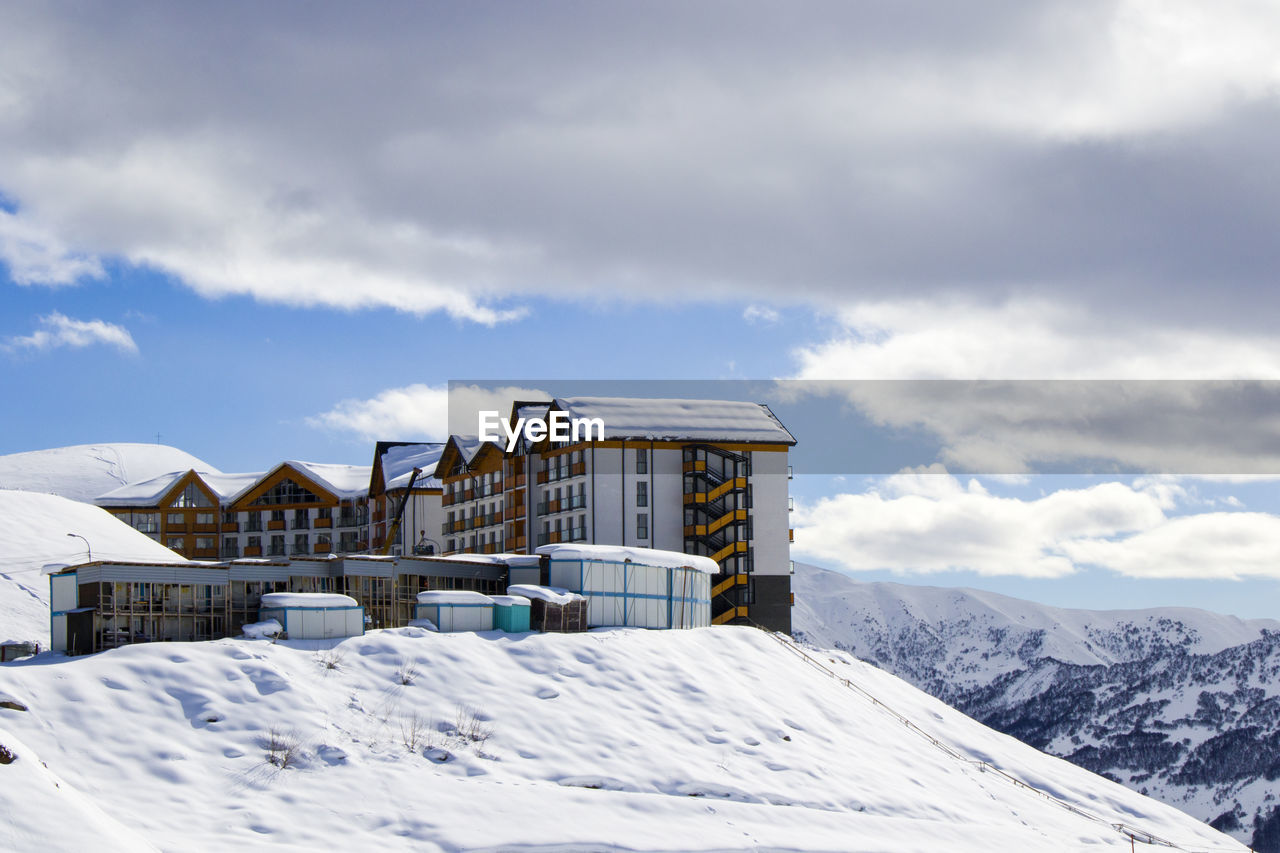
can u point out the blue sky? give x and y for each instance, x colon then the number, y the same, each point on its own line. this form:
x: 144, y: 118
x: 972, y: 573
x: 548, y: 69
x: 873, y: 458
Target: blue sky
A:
x: 264, y: 235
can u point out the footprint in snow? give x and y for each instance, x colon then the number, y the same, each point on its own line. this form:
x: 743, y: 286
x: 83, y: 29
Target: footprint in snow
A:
x: 547, y: 693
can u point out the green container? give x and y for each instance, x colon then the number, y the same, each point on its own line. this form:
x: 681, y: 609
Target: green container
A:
x: 511, y: 613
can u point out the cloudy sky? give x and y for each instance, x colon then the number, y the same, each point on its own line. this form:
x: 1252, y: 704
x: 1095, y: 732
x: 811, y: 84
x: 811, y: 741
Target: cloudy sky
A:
x: 267, y: 231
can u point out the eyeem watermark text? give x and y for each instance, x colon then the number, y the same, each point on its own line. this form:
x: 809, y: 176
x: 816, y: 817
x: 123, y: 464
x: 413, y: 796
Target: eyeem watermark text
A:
x: 557, y: 426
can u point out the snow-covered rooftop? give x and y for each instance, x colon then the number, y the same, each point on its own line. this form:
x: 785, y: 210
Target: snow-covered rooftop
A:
x: 496, y: 559
x: 398, y: 464
x: 453, y: 596
x: 679, y: 420
x: 622, y: 554
x: 345, y: 481
x: 549, y: 594
x: 307, y: 599
x: 227, y: 487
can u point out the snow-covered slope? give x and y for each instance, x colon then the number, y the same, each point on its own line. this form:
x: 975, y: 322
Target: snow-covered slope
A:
x: 34, y: 536
x: 1176, y: 702
x: 85, y: 471
x: 710, y: 739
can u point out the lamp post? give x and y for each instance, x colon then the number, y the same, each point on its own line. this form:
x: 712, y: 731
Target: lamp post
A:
x: 86, y: 544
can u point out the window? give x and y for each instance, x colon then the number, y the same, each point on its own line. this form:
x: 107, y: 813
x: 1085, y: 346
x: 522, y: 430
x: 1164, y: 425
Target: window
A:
x: 642, y: 494
x: 191, y: 496
x: 147, y: 522
x: 300, y: 519
x: 277, y: 546
x: 204, y: 518
x: 228, y: 518
x: 277, y: 515
x: 175, y: 543
x: 253, y: 521
x: 300, y: 543
x: 642, y: 461
x: 176, y: 519
x: 642, y: 525
x: 254, y: 542
x: 286, y: 492
x: 324, y: 512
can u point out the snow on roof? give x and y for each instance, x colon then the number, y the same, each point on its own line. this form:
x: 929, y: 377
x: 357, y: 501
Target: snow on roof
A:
x: 85, y: 471
x: 621, y: 554
x: 398, y: 464
x: 679, y: 420
x: 510, y: 600
x: 227, y: 487
x: 496, y: 559
x: 345, y: 481
x: 549, y: 594
x: 307, y: 599
x: 453, y: 596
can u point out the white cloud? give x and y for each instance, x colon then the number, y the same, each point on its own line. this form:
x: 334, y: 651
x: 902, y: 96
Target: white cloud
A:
x: 760, y: 314
x: 1025, y: 338
x: 413, y: 412
x: 859, y: 150
x: 928, y: 522
x: 62, y: 331
x: 1018, y: 426
x: 422, y: 412
x: 35, y: 255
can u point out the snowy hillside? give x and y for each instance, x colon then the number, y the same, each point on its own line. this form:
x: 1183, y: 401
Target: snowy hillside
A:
x: 35, y: 536
x: 1180, y: 703
x: 715, y: 738
x: 85, y: 471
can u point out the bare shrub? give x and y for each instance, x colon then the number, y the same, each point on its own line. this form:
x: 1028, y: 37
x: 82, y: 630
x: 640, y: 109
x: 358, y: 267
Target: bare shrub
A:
x: 331, y: 659
x: 282, y: 748
x: 416, y: 732
x: 406, y: 672
x: 469, y: 728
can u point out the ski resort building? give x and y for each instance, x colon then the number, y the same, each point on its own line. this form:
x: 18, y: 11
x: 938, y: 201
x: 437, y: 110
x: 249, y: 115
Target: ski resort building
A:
x: 102, y: 604
x: 701, y: 477
x: 394, y: 484
x: 707, y: 478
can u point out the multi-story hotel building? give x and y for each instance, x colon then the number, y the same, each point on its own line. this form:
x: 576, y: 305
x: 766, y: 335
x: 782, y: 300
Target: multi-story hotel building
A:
x: 703, y: 477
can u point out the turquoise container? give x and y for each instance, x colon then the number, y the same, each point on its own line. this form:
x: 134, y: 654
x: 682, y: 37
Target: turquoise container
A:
x: 511, y: 613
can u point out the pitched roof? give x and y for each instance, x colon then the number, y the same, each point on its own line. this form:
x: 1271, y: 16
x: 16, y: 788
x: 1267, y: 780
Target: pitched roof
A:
x: 651, y: 419
x: 227, y: 487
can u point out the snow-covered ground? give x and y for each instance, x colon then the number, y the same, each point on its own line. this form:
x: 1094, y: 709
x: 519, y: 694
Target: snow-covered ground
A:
x: 34, y: 536
x: 714, y: 738
x: 85, y: 471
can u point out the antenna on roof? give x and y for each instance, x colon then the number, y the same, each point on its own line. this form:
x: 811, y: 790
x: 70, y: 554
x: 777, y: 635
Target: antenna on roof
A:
x: 157, y: 438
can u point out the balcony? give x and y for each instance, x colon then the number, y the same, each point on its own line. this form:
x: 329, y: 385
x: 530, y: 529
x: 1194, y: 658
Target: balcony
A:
x: 578, y: 469
x: 542, y: 476
x: 351, y: 521
x: 253, y: 551
x: 275, y: 524
x: 326, y: 523
x: 301, y: 524
x: 230, y: 527
x: 517, y: 482
x: 446, y: 499
x: 322, y: 548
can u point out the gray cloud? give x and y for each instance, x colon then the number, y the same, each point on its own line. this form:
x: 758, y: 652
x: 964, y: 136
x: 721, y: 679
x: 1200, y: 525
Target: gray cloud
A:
x: 460, y: 158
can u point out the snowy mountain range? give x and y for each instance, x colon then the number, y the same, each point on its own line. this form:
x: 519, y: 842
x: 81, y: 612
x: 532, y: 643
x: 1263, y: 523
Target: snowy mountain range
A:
x: 1178, y: 703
